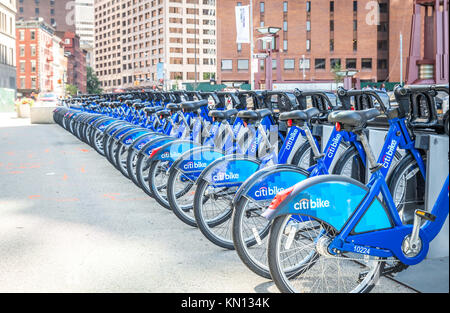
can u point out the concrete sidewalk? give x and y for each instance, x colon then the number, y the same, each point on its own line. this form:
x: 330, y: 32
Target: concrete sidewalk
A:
x: 70, y: 222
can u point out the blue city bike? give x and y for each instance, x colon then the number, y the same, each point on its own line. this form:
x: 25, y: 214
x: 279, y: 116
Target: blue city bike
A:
x: 296, y: 160
x: 184, y: 172
x: 161, y: 159
x: 249, y: 229
x: 333, y: 234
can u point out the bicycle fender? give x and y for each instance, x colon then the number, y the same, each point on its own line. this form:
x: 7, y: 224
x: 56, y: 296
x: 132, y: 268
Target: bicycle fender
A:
x: 171, y: 151
x: 230, y: 169
x: 130, y: 137
x: 332, y: 199
x: 196, y: 159
x: 267, y: 182
x: 141, y: 142
x: 154, y: 144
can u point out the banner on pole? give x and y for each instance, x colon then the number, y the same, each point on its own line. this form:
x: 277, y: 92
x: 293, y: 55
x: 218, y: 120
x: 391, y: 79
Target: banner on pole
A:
x: 243, y: 24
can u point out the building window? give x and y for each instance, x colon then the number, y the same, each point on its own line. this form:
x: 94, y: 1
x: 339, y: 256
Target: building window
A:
x: 274, y: 64
x: 366, y: 64
x: 285, y: 26
x: 242, y: 65
x: 331, y: 6
x: 382, y: 64
x: 285, y: 6
x: 21, y: 35
x: 308, y: 26
x: 308, y: 45
x: 289, y: 64
x: 308, y: 6
x: 335, y: 63
x: 22, y: 51
x: 239, y: 47
x: 331, y: 25
x: 355, y: 25
x: 285, y: 45
x: 22, y: 82
x: 331, y: 45
x: 261, y: 7
x: 355, y: 6
x: 305, y: 64
x: 33, y: 66
x: 350, y: 63
x: 33, y: 50
x: 355, y: 45
x: 319, y: 64
x: 22, y: 66
x: 227, y: 65
x: 33, y: 35
x: 33, y: 83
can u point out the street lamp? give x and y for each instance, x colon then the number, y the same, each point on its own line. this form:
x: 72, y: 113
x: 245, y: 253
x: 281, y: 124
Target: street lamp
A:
x: 270, y: 34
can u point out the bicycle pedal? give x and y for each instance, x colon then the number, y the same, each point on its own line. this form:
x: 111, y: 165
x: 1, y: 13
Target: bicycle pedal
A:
x: 425, y: 215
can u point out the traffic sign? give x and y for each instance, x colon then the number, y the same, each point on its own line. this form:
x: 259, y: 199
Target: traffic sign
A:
x: 260, y: 55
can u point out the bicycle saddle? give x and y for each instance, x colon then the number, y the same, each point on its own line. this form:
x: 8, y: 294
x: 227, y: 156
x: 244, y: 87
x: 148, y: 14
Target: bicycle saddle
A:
x: 221, y: 115
x: 190, y: 106
x: 353, y: 118
x: 254, y: 115
x: 151, y: 110
x: 173, y: 107
x: 299, y: 115
x: 164, y: 113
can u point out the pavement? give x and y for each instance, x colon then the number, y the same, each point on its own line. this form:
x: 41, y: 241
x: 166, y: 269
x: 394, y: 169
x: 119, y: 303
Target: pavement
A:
x: 70, y: 222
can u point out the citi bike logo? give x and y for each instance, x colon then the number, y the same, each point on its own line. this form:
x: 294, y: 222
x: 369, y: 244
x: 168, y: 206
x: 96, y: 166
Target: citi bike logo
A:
x: 333, y: 146
x: 128, y: 141
x: 291, y: 139
x: 387, y: 158
x: 225, y: 176
x: 193, y: 165
x: 307, y: 204
x: 167, y: 154
x: 268, y: 191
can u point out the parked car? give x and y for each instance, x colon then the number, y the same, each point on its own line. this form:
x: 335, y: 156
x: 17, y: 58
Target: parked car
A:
x: 48, y: 99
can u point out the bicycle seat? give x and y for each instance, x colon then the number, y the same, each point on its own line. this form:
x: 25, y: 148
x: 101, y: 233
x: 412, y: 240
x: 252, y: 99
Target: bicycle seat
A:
x: 191, y: 106
x: 299, y: 115
x: 254, y: 115
x: 151, y: 110
x: 353, y: 118
x: 221, y: 115
x: 173, y: 107
x: 164, y: 113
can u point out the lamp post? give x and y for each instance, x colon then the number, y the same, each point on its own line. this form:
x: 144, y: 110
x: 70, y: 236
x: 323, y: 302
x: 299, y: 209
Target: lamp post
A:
x: 270, y: 34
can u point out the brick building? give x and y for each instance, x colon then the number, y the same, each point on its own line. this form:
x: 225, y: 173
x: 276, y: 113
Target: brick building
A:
x: 314, y: 37
x: 60, y: 14
x: 76, y: 65
x: 34, y: 51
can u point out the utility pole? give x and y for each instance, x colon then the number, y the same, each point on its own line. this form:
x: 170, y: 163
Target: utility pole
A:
x: 252, y: 48
x: 195, y: 43
x: 401, y: 59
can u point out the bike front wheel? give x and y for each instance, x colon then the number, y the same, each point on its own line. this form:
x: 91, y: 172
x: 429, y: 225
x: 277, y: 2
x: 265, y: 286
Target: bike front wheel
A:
x: 299, y: 261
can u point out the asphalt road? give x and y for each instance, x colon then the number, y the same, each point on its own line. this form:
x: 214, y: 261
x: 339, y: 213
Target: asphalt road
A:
x: 70, y: 222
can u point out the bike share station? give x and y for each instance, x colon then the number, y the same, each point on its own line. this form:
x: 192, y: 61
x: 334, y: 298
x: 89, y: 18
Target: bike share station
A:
x: 428, y: 275
x: 426, y: 154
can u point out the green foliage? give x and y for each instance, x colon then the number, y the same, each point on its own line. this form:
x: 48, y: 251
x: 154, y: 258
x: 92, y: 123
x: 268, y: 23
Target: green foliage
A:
x: 337, y: 67
x: 93, y: 84
x: 71, y: 90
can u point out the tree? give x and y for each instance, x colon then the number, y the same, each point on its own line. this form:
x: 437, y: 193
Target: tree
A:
x: 337, y: 68
x: 93, y: 84
x: 71, y: 90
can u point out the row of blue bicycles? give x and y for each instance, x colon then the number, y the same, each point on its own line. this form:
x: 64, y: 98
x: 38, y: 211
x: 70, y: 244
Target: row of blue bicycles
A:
x: 288, y: 179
